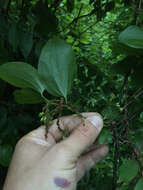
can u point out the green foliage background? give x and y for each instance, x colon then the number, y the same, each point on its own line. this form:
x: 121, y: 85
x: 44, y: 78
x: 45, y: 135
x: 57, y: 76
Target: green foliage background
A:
x: 109, y: 79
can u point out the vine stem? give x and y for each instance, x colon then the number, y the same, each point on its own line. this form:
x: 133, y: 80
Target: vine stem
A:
x: 139, y: 8
x: 134, y: 97
x: 116, y: 155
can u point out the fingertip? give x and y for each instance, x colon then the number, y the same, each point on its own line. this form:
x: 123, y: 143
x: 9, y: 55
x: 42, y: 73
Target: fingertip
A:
x: 104, y: 150
x: 96, y: 121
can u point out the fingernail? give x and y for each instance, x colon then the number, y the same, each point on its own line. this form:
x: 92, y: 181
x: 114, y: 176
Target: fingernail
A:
x: 96, y: 121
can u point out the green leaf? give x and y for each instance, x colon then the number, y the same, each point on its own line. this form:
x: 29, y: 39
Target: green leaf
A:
x: 137, y: 139
x: 57, y: 67
x: 128, y: 170
x: 5, y: 154
x: 105, y: 137
x: 26, y: 43
x: 111, y: 112
x: 132, y: 36
x: 85, y: 38
x: 27, y: 96
x: 13, y: 37
x: 38, y: 48
x: 21, y: 75
x: 139, y: 185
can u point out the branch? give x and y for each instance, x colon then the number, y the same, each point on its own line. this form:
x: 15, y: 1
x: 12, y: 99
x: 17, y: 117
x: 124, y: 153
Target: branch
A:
x: 80, y: 10
x: 138, y: 93
x: 82, y: 16
x: 129, y: 119
x: 78, y: 16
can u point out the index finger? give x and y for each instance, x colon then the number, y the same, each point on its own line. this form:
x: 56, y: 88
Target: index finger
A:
x: 69, y: 123
x: 84, y: 136
x: 66, y: 122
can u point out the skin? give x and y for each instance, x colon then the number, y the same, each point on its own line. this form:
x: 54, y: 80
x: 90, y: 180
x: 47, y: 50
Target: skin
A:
x: 40, y: 164
x: 61, y: 182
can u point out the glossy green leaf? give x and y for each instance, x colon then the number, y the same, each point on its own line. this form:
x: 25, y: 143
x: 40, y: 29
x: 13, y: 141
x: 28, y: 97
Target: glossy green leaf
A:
x: 13, y: 37
x: 38, y: 48
x: 110, y: 112
x: 26, y: 43
x: 139, y: 185
x: 5, y: 154
x: 57, y: 67
x: 105, y: 137
x: 85, y: 38
x: 128, y: 170
x: 27, y: 96
x: 21, y: 75
x: 132, y: 36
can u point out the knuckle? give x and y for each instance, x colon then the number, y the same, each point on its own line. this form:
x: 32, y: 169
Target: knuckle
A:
x: 84, y: 131
x: 104, y: 151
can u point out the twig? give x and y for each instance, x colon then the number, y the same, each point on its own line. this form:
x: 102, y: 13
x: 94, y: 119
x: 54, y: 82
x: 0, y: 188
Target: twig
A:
x: 134, y: 97
x: 78, y: 15
x: 126, y: 108
x: 136, y: 154
x: 122, y: 88
x: 80, y: 11
x: 129, y: 118
x: 82, y: 33
x: 82, y: 16
x: 135, y: 114
x: 87, y: 29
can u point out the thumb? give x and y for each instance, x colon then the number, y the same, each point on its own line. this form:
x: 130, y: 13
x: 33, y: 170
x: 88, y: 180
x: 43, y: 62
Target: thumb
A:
x: 84, y: 135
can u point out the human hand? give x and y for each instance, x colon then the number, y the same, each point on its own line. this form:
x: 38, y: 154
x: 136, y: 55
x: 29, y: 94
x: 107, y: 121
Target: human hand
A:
x: 51, y: 164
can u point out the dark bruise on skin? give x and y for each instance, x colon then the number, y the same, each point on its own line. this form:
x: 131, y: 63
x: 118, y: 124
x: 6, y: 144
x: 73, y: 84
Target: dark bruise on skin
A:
x: 61, y: 182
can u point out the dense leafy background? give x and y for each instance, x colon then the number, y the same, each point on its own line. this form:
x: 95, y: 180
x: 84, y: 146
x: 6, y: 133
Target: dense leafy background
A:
x: 109, y: 80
